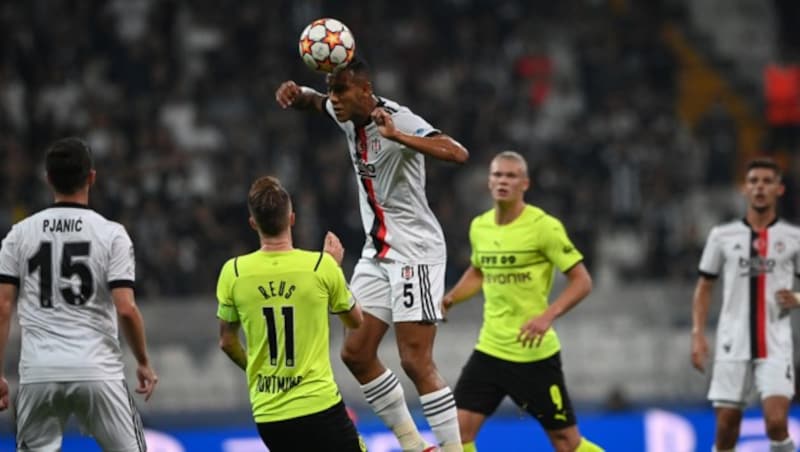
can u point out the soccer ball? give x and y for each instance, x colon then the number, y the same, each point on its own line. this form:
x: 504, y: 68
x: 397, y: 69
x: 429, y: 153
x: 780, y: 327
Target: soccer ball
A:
x: 326, y: 45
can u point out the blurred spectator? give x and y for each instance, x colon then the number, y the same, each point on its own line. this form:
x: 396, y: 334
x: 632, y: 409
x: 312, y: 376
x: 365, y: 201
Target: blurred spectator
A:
x: 176, y: 98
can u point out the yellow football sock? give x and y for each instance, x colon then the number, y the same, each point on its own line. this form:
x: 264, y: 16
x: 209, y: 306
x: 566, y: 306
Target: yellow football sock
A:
x: 588, y: 446
x: 470, y: 447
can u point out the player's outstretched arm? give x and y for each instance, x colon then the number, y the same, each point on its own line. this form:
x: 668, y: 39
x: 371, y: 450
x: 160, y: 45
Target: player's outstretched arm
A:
x: 133, y: 328
x: 290, y: 94
x: 439, y: 146
x: 466, y: 287
x: 8, y: 295
x: 230, y: 343
x: 579, y: 284
x: 701, y: 300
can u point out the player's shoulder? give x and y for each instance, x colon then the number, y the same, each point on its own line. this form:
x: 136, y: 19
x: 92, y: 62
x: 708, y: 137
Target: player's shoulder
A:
x: 732, y: 227
x: 483, y: 219
x: 538, y: 215
x: 393, y: 107
x: 787, y: 225
x: 788, y: 228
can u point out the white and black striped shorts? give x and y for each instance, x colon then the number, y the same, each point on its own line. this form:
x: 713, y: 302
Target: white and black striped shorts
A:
x: 399, y: 292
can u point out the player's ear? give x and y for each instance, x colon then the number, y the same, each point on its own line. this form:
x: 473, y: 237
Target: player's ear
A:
x: 291, y: 219
x: 526, y: 184
x: 781, y: 188
x: 252, y: 222
x: 90, y: 180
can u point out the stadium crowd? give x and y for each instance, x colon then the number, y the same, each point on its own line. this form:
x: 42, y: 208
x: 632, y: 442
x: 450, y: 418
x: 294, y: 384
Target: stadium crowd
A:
x: 176, y: 98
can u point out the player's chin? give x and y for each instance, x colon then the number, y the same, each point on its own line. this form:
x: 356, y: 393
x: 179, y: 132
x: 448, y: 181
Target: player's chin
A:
x: 341, y: 115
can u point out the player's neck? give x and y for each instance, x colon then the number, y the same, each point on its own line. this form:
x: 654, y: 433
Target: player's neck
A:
x: 760, y: 220
x: 505, y: 213
x: 76, y: 198
x: 281, y: 242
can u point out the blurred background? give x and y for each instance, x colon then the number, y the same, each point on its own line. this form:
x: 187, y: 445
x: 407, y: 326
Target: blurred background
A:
x: 636, y: 119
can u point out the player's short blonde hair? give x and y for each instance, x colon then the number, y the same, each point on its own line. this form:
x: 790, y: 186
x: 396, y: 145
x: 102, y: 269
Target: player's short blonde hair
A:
x: 516, y: 156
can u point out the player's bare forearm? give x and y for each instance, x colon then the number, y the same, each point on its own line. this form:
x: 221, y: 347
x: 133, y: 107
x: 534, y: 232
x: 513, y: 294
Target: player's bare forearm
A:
x: 701, y: 300
x: 467, y: 286
x: 289, y: 94
x: 310, y: 99
x: 579, y: 285
x: 131, y: 322
x: 353, y: 318
x: 230, y: 344
x: 440, y: 147
x: 8, y: 294
x: 237, y: 354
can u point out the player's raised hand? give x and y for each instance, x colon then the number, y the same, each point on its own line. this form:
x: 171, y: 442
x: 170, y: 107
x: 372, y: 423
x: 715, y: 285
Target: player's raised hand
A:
x: 699, y: 351
x: 333, y: 246
x: 147, y: 381
x: 787, y: 299
x: 384, y: 122
x: 3, y: 393
x: 287, y: 93
x: 534, y: 330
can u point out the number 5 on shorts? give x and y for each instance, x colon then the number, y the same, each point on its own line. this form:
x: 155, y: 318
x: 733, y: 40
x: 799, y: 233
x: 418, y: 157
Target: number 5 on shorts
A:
x: 408, y: 295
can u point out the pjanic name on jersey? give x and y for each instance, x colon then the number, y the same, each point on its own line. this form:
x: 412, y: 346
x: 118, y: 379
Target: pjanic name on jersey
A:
x: 277, y: 289
x: 62, y: 225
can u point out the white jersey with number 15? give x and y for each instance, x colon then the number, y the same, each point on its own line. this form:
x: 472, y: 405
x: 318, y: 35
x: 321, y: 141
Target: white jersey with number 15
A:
x: 65, y: 261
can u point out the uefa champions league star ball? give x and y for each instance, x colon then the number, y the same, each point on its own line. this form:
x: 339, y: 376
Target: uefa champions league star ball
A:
x: 326, y: 45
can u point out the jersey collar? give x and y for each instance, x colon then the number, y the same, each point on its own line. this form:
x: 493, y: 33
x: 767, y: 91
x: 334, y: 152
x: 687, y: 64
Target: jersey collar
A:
x: 71, y: 205
x: 777, y: 218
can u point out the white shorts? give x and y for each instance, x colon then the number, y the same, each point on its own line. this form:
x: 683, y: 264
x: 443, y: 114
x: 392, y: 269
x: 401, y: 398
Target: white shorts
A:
x: 104, y: 410
x: 732, y: 381
x: 399, y: 292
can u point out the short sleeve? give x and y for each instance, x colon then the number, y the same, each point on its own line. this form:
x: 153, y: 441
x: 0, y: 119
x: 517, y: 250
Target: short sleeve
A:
x: 557, y: 246
x: 9, y: 257
x: 412, y: 124
x: 712, y: 259
x: 339, y: 298
x: 226, y: 309
x: 122, y: 263
x: 473, y: 256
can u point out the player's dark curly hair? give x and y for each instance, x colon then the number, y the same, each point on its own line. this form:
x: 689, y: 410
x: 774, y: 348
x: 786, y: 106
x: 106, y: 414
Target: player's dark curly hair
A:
x: 359, y: 66
x: 270, y: 205
x: 68, y: 163
x: 765, y: 162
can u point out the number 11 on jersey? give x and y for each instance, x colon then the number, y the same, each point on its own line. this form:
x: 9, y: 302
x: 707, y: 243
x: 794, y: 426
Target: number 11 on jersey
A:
x: 272, y: 334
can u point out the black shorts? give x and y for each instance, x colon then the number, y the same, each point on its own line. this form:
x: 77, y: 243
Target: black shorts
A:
x: 330, y: 430
x: 536, y: 387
